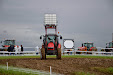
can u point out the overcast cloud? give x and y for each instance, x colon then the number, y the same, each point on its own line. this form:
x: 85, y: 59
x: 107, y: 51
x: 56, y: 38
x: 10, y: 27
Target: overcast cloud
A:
x: 81, y: 20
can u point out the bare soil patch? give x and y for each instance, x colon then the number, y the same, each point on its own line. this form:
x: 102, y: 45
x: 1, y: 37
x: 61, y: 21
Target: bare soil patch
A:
x: 64, y: 66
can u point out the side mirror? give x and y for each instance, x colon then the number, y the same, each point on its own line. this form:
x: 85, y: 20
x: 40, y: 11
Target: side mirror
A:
x: 60, y: 37
x: 40, y: 37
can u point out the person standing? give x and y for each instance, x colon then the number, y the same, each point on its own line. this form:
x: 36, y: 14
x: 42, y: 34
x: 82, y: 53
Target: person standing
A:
x: 16, y: 50
x: 37, y: 50
x: 8, y: 49
x: 12, y: 48
x: 21, y: 48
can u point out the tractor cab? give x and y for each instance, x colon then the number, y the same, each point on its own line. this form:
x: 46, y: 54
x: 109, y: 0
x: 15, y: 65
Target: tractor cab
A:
x: 7, y: 43
x: 87, y: 45
x: 109, y: 45
x: 52, y: 38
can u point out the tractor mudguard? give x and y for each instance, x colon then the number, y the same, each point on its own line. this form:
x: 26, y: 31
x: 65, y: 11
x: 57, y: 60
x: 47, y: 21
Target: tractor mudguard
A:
x: 42, y: 46
x: 59, y: 45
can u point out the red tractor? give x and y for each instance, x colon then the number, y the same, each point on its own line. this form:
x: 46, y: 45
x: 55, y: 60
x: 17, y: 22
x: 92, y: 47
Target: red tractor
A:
x: 6, y: 44
x: 51, y: 45
x: 87, y: 47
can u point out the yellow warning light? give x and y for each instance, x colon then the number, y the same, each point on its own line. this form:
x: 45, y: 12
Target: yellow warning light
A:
x: 58, y: 32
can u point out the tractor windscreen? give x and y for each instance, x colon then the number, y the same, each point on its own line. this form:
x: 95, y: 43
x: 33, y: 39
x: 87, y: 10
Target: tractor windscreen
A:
x: 88, y: 45
x: 50, y: 31
x: 9, y: 42
x: 51, y: 39
x: 110, y: 44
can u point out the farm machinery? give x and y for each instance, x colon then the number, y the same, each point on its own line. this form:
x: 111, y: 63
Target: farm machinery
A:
x: 109, y: 45
x: 87, y: 47
x: 51, y: 45
x: 6, y: 44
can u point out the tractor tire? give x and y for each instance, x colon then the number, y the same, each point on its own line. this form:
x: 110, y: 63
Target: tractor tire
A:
x: 78, y: 52
x: 94, y: 49
x: 43, y: 55
x: 59, y: 53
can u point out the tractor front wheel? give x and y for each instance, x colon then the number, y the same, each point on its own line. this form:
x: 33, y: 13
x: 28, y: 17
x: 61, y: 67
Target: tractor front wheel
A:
x: 43, y: 55
x: 59, y: 53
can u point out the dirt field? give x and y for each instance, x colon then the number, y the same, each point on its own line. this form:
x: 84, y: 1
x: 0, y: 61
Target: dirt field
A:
x: 65, y: 66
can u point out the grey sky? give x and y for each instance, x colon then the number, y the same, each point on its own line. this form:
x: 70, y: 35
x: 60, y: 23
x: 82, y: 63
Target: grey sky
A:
x: 81, y: 20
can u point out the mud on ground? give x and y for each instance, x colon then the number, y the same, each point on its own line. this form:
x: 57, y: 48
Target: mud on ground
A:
x: 64, y: 66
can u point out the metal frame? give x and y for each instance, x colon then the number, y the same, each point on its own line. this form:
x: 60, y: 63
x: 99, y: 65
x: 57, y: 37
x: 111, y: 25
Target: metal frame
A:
x: 51, y: 27
x: 68, y: 48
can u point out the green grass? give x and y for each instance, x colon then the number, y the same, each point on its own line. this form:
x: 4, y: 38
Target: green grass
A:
x: 54, y: 56
x: 12, y: 72
x: 17, y: 57
x: 108, y: 70
x: 86, y: 56
x: 81, y: 73
x: 104, y: 70
x: 81, y: 56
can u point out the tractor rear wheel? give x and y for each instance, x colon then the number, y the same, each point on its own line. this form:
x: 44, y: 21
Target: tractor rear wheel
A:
x: 59, y: 53
x: 94, y: 49
x: 43, y: 55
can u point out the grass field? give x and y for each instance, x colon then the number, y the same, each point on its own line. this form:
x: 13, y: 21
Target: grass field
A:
x: 54, y: 56
x: 108, y: 70
x: 12, y: 72
x: 20, y: 71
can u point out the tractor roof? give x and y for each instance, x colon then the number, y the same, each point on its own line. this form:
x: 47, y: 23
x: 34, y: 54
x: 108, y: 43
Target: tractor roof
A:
x: 52, y: 26
x: 89, y: 42
x: 110, y: 42
x: 9, y: 40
